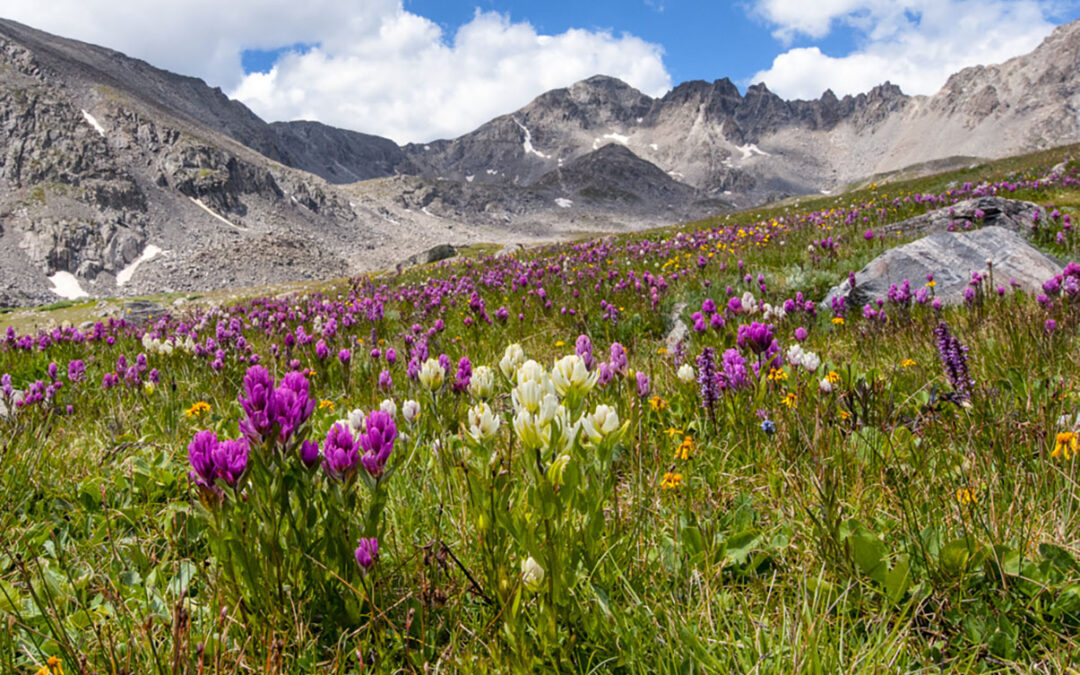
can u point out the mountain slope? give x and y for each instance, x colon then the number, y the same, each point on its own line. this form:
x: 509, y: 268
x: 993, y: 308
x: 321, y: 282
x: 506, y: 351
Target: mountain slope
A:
x: 119, y: 178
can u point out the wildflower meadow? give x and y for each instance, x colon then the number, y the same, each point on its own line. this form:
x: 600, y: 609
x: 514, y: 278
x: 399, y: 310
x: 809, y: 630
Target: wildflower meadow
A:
x: 510, y: 463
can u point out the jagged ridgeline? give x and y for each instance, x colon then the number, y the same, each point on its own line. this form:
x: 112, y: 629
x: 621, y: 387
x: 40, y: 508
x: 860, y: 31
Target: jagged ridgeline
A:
x: 118, y: 178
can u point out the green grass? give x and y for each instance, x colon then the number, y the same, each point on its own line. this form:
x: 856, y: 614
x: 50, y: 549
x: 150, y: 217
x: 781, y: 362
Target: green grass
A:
x: 886, y: 526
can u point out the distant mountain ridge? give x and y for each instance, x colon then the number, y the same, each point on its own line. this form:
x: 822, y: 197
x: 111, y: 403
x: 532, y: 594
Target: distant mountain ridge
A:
x: 117, y: 177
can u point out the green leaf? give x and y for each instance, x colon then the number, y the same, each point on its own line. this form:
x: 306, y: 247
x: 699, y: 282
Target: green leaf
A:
x: 1059, y: 557
x: 897, y: 581
x: 955, y: 556
x: 10, y: 600
x: 179, y: 584
x: 869, y: 554
x: 741, y: 544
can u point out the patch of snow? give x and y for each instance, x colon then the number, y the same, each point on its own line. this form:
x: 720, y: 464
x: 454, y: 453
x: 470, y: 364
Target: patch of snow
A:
x: 427, y: 147
x: 727, y: 162
x: 426, y: 212
x: 618, y: 138
x: 654, y: 146
x: 67, y: 286
x: 560, y: 161
x: 676, y: 174
x: 727, y: 192
x: 94, y: 123
x: 148, y: 254
x: 492, y: 172
x: 563, y: 202
x: 750, y: 150
x: 640, y: 120
x: 527, y: 143
x: 826, y: 192
x: 209, y: 210
x: 469, y: 179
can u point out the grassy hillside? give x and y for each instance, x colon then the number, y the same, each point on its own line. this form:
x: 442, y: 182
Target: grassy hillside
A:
x: 499, y: 463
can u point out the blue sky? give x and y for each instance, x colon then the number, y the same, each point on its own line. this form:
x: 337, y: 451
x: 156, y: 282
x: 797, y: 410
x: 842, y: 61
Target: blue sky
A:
x: 416, y: 70
x: 701, y: 40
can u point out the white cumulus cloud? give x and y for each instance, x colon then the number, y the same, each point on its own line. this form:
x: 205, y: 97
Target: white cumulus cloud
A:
x: 916, y: 44
x: 375, y: 66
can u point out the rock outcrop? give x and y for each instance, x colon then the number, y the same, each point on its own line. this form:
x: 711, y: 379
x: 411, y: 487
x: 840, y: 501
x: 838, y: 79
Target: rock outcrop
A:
x: 950, y: 257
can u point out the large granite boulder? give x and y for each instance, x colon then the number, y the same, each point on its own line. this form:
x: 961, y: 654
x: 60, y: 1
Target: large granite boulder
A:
x: 951, y: 257
x: 1012, y: 214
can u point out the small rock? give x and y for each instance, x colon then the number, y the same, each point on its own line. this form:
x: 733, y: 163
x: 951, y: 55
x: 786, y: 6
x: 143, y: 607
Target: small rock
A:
x: 141, y: 311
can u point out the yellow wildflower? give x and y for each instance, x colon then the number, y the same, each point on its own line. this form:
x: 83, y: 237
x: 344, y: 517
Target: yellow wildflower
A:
x: 907, y: 363
x: 559, y: 343
x: 838, y: 321
x: 672, y: 432
x: 197, y: 409
x: 671, y: 481
x: 325, y: 403
x: 931, y: 283
x: 790, y: 400
x: 965, y: 496
x: 657, y: 403
x: 1065, y: 445
x: 843, y: 414
x: 833, y: 377
x: 777, y: 375
x: 661, y: 351
x: 685, y: 448
x: 52, y: 667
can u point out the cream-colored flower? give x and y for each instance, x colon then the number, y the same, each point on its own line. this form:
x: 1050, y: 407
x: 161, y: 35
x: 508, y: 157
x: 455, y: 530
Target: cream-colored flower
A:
x: 482, y: 383
x: 532, y: 574
x: 530, y: 371
x: 570, y: 373
x: 686, y: 373
x: 512, y: 359
x: 411, y: 410
x: 483, y: 424
x: 432, y: 374
x: 356, y: 421
x: 389, y: 407
x: 600, y: 423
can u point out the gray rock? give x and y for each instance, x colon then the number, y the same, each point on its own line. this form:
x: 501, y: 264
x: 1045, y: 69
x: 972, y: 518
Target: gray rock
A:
x: 1012, y: 214
x: 679, y: 330
x: 141, y: 311
x: 431, y: 255
x: 950, y: 257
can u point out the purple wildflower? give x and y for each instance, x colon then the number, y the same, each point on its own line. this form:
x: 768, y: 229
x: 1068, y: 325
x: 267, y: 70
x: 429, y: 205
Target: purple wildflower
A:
x: 377, y: 441
x: 340, y: 453
x: 583, y: 348
x: 642, y: 384
x: 367, y: 553
x: 954, y: 359
x: 618, y: 362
